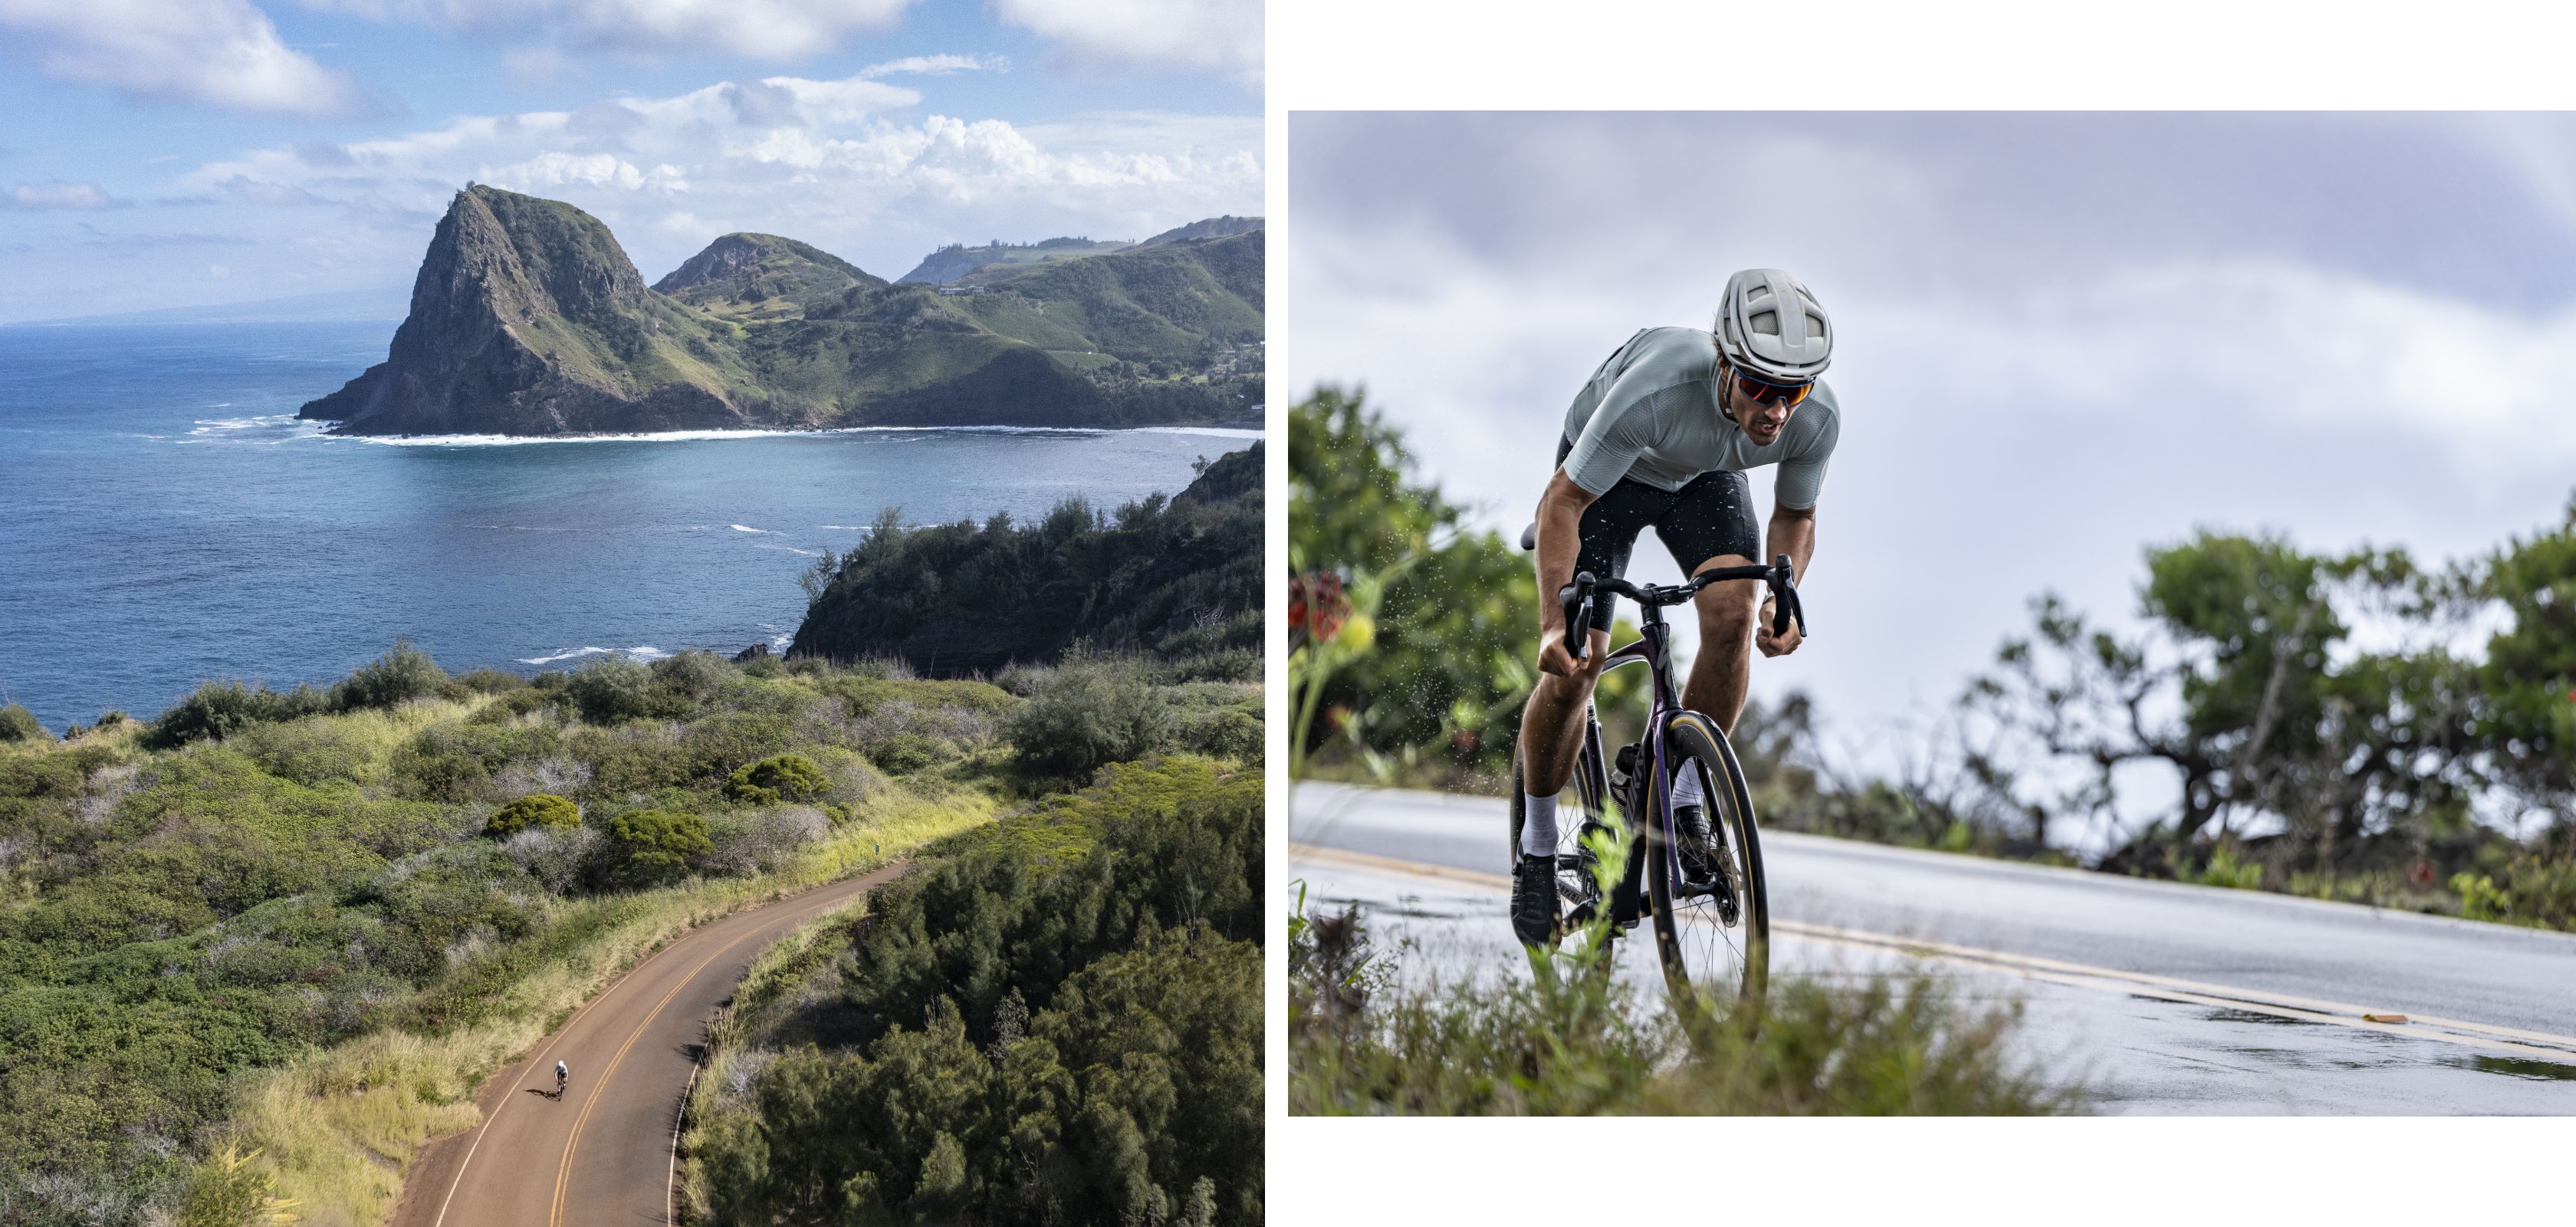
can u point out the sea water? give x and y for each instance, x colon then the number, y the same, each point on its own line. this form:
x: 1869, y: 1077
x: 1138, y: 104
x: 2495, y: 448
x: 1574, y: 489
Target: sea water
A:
x: 164, y: 519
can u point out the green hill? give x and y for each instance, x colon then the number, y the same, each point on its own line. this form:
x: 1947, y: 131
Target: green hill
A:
x: 527, y: 318
x: 1178, y: 578
x: 956, y: 260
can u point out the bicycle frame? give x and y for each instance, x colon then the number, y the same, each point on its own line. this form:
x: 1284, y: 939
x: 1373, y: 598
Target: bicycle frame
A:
x: 1648, y: 649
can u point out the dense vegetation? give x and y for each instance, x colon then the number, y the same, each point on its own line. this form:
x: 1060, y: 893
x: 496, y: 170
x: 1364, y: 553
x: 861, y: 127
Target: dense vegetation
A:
x: 1058, y: 1023
x: 2437, y: 773
x: 256, y: 875
x: 1180, y: 579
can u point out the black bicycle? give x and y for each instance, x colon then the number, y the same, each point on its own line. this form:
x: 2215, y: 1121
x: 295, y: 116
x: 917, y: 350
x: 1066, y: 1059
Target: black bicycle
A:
x: 1710, y: 909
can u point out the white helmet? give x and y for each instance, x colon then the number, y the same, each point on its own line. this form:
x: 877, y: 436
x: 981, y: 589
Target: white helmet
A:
x: 1772, y: 328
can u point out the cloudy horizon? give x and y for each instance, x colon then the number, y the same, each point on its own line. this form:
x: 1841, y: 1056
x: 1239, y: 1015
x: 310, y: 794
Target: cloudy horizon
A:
x: 177, y: 153
x: 2061, y: 338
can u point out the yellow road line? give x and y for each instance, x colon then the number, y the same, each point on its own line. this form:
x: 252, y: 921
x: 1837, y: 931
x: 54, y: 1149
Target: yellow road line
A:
x: 563, y: 1170
x: 2058, y: 971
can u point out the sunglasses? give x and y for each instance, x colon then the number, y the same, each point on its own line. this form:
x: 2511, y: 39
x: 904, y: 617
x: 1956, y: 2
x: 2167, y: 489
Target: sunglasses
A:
x: 1763, y: 392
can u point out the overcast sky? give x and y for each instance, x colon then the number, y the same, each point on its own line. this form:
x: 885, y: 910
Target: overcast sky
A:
x: 2060, y: 338
x: 161, y: 153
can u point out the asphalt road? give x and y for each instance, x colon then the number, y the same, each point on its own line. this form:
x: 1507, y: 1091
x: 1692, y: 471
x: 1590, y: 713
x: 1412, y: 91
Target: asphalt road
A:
x: 603, y: 1154
x: 2161, y: 997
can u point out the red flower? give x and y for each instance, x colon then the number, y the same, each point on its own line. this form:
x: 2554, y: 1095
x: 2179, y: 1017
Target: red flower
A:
x: 1317, y: 605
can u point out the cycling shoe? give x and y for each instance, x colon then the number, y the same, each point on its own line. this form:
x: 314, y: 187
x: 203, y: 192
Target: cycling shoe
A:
x: 1534, y: 903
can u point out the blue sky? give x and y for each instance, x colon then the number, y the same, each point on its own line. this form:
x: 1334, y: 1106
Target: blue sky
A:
x: 2061, y: 338
x: 161, y: 153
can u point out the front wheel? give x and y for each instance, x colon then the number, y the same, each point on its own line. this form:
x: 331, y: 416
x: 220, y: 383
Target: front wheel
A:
x: 1713, y: 928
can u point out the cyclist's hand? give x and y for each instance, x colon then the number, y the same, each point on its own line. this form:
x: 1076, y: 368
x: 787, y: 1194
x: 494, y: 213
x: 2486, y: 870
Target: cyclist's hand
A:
x: 1775, y: 645
x: 1554, y: 659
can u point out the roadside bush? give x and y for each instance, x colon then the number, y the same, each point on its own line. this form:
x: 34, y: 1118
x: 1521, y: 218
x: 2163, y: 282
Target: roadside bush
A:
x: 656, y: 845
x: 532, y: 811
x: 1229, y: 732
x: 761, y: 840
x: 391, y: 680
x: 612, y: 690
x: 1086, y: 715
x: 457, y: 762
x: 19, y: 724
x: 778, y: 778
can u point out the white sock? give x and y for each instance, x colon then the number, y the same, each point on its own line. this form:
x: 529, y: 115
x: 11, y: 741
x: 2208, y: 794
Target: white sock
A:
x: 1538, y: 825
x: 1685, y: 787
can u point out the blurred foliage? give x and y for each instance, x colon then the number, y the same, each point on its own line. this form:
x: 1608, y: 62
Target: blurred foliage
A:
x: 1454, y: 643
x: 1360, y: 1043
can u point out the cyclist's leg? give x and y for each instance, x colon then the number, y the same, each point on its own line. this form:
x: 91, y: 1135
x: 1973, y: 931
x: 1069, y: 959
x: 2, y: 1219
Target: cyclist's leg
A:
x: 1552, y: 719
x: 1711, y: 525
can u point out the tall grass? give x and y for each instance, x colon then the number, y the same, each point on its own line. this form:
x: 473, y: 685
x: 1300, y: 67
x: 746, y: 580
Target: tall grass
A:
x: 339, y: 1127
x: 1572, y: 1040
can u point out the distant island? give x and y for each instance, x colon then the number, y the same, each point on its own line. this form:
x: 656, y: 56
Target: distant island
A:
x: 527, y: 318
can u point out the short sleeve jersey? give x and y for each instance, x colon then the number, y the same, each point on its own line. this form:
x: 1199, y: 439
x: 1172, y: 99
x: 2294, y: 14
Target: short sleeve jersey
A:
x: 1651, y: 413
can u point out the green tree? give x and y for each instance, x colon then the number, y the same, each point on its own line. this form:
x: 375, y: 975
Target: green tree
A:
x: 2528, y: 680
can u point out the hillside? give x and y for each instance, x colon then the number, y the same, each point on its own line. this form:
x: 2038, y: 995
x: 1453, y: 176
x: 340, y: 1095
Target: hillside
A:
x: 956, y: 260
x: 1208, y: 228
x: 1178, y: 578
x: 528, y: 319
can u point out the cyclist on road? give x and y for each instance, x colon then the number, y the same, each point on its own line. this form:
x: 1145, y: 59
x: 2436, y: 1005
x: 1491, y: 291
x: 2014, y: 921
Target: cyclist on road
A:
x: 1660, y: 438
x: 563, y: 1077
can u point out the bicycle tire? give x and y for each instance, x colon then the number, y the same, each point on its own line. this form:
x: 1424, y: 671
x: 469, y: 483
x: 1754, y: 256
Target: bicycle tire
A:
x: 1706, y: 959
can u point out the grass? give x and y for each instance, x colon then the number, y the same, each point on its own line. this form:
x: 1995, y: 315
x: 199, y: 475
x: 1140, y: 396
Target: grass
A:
x: 1571, y: 1041
x: 339, y: 1127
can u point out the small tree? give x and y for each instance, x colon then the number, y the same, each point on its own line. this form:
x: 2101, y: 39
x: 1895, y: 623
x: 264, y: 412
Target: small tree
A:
x: 654, y: 845
x: 397, y: 677
x: 541, y: 809
x: 777, y: 779
x: 19, y: 724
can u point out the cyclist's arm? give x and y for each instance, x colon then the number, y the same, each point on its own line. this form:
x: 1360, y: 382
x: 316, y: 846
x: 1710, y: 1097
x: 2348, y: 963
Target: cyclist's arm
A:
x: 1560, y: 536
x: 1792, y: 532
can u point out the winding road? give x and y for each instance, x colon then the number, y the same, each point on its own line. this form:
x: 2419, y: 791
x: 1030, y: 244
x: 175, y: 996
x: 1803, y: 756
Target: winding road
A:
x: 605, y: 1153
x: 2161, y: 997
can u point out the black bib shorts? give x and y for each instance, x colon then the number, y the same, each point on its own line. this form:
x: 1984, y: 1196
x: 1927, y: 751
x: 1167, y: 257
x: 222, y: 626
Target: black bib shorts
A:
x: 1712, y: 515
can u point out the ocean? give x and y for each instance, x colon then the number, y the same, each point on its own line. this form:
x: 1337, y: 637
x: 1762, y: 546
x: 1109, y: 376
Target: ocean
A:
x: 164, y: 519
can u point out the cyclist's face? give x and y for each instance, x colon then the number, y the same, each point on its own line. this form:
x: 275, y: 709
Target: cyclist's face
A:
x: 1762, y: 420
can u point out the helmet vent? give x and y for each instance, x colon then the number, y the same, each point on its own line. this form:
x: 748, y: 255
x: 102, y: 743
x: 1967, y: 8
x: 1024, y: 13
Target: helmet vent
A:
x: 1767, y: 323
x: 1815, y: 325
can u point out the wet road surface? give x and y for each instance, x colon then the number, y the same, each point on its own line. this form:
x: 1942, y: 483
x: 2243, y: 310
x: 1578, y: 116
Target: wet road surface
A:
x: 2163, y: 998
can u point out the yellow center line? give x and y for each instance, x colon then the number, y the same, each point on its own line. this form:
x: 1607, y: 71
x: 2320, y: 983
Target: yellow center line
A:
x: 2058, y: 971
x: 563, y: 1170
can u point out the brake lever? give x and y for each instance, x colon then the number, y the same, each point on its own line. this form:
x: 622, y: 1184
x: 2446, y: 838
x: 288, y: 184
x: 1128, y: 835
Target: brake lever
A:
x: 1577, y: 598
x: 1784, y: 598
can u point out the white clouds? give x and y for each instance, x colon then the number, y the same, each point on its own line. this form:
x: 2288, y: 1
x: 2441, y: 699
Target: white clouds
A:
x: 762, y: 29
x: 224, y: 53
x: 58, y: 195
x: 835, y: 162
x: 1224, y: 35
x: 936, y: 65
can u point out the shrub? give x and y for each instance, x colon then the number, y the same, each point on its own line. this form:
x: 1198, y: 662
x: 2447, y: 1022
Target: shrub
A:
x: 907, y: 752
x: 1086, y: 715
x: 762, y: 840
x: 1229, y: 732
x: 19, y: 724
x: 542, y: 809
x: 653, y: 845
x: 778, y: 778
x: 612, y: 690
x: 693, y: 676
x: 399, y: 676
x: 561, y: 857
x: 492, y: 681
x: 219, y: 709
